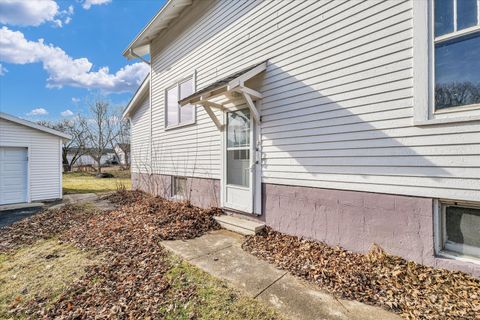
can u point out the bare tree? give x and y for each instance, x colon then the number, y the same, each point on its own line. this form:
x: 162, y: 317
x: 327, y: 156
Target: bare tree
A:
x: 74, y: 148
x: 99, y: 129
x: 121, y: 139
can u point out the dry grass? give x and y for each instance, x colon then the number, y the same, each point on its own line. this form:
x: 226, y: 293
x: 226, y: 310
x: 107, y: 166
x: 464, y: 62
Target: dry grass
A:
x: 39, y: 272
x: 82, y: 182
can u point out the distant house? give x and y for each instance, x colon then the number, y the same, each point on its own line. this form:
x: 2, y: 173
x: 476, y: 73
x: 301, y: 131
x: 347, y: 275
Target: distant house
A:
x: 108, y: 158
x: 349, y: 122
x: 30, y: 161
x: 122, y: 151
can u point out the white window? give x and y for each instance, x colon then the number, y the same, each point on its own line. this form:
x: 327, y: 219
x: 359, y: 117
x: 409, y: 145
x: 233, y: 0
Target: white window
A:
x: 446, y: 60
x: 179, y: 188
x: 459, y: 229
x: 174, y: 114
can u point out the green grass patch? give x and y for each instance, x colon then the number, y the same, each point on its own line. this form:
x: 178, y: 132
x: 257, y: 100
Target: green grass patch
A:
x: 82, y: 182
x: 40, y: 271
x: 213, y: 298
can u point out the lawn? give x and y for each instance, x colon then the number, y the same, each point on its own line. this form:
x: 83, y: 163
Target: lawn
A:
x: 85, y: 182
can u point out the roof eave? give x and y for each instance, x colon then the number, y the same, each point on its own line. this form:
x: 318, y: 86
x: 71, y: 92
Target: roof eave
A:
x: 34, y: 126
x: 141, y: 44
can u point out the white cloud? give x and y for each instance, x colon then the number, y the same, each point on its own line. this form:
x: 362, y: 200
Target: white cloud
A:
x: 75, y: 100
x: 63, y: 70
x: 3, y: 70
x: 66, y: 113
x: 27, y: 13
x: 87, y: 4
x: 38, y: 112
x: 33, y: 13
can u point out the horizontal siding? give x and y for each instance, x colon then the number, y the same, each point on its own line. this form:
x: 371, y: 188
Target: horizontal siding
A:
x: 338, y: 93
x: 140, y: 136
x: 45, y: 162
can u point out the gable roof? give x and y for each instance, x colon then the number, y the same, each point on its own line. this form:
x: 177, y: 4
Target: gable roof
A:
x: 33, y: 125
x: 133, y: 104
x: 140, y: 46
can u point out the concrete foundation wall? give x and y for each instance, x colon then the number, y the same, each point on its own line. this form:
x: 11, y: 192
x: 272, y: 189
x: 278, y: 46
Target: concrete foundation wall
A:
x: 401, y: 225
x: 203, y: 193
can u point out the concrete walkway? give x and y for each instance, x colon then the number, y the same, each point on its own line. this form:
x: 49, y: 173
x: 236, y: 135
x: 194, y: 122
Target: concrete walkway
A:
x: 220, y: 254
x: 82, y: 198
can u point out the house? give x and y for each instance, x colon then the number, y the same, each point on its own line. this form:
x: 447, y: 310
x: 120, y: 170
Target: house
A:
x: 122, y: 151
x: 30, y: 161
x: 85, y: 159
x: 349, y: 122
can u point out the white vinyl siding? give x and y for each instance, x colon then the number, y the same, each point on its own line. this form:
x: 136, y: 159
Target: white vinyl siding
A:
x: 140, y: 136
x: 44, y: 160
x: 338, y: 99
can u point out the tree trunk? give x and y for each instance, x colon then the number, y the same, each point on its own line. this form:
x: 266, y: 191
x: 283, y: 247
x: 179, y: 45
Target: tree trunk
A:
x: 67, y: 167
x: 99, y: 165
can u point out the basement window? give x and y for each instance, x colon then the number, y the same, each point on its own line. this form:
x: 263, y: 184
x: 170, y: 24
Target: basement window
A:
x: 460, y: 229
x: 179, y: 187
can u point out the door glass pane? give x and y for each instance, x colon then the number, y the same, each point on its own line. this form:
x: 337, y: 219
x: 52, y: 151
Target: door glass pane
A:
x: 172, y: 106
x: 463, y: 225
x: 457, y: 76
x: 238, y: 129
x: 443, y: 17
x: 186, y: 112
x: 466, y: 14
x: 238, y: 148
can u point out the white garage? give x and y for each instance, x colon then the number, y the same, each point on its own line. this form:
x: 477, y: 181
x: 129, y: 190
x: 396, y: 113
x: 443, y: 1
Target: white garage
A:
x: 30, y: 161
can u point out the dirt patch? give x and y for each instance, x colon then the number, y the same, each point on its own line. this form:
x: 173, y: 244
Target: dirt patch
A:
x: 39, y: 273
x: 412, y: 290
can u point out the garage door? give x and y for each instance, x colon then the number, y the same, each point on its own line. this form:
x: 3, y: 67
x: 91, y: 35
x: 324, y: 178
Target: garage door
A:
x: 13, y: 175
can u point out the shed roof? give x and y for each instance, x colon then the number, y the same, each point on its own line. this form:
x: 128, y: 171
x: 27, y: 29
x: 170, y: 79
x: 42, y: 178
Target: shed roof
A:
x: 244, y: 74
x: 34, y: 125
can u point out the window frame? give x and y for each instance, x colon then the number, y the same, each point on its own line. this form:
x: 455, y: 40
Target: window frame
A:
x: 424, y: 68
x: 176, y: 83
x: 452, y: 250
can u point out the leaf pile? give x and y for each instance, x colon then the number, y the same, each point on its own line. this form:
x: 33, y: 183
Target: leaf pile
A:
x: 131, y: 284
x: 123, y: 197
x: 410, y: 289
x: 42, y: 226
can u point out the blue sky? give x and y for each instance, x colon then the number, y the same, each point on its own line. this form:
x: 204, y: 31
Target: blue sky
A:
x: 41, y: 79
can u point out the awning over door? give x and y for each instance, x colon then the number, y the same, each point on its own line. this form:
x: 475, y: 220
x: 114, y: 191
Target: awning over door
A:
x: 233, y: 83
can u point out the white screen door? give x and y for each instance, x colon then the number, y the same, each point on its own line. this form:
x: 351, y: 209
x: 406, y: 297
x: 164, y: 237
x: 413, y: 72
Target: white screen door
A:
x: 238, y: 175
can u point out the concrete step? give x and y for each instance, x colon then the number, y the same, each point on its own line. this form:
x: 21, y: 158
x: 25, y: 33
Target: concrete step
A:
x: 239, y: 225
